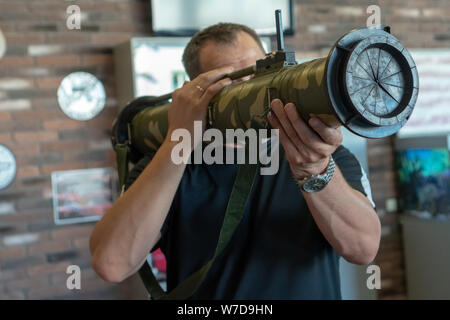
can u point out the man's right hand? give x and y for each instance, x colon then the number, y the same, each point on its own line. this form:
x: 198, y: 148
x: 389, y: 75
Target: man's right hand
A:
x: 190, y: 103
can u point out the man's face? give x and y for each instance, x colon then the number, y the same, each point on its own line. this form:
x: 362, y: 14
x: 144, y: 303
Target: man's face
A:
x: 242, y: 53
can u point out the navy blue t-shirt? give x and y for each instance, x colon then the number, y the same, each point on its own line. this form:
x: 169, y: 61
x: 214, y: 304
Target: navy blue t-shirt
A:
x: 276, y: 252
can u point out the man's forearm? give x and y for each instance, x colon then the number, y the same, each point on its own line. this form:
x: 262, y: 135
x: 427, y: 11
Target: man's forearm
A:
x: 122, y: 239
x: 346, y: 219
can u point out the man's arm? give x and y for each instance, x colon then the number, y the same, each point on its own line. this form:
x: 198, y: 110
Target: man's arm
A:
x: 344, y: 215
x: 125, y: 235
x: 121, y: 240
x: 346, y: 219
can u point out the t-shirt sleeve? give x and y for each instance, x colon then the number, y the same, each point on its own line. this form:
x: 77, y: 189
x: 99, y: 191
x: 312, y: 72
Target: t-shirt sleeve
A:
x: 353, y: 172
x: 132, y: 176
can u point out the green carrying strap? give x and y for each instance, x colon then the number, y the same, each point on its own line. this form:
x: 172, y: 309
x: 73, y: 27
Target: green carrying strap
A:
x: 122, y: 151
x: 233, y: 215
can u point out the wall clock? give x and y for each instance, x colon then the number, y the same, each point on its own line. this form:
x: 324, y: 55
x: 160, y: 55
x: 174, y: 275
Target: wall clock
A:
x: 81, y: 96
x: 7, y: 167
x: 2, y: 44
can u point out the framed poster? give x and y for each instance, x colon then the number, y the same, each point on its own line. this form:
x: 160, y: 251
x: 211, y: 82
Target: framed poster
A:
x: 82, y: 195
x: 431, y: 115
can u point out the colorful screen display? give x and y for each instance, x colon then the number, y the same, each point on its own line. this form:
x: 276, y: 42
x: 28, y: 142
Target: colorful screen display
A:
x: 424, y: 181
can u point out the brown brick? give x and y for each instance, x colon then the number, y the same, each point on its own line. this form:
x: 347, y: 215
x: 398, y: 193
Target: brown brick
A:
x: 48, y: 82
x: 59, y: 60
x: 36, y: 114
x: 47, y: 269
x: 13, y: 252
x: 27, y: 171
x: 101, y: 164
x: 62, y: 124
x: 68, y: 233
x: 97, y: 59
x: 17, y: 273
x: 13, y: 62
x: 81, y: 242
x: 73, y: 37
x: 5, y: 138
x: 34, y: 137
x: 25, y: 149
x: 48, y: 169
x: 25, y: 38
x: 49, y: 246
x: 110, y: 39
x: 63, y: 145
x: 35, y: 282
x: 25, y: 217
x: 5, y: 116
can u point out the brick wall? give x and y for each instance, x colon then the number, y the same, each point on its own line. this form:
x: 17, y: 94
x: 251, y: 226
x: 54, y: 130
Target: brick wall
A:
x: 34, y: 253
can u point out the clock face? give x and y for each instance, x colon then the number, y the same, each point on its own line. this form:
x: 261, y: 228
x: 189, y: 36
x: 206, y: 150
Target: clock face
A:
x: 81, y: 96
x: 7, y: 167
x: 2, y: 44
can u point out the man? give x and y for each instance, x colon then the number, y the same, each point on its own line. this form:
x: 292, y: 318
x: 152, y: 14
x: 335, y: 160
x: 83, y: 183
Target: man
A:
x: 288, y: 243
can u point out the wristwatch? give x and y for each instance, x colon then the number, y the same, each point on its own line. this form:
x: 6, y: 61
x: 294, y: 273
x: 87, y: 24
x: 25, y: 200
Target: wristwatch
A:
x: 317, y: 182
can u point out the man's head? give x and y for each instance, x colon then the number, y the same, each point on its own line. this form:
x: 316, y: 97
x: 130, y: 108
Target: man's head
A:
x: 222, y: 45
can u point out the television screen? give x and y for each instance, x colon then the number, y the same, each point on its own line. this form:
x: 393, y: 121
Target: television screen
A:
x: 184, y: 18
x: 424, y: 181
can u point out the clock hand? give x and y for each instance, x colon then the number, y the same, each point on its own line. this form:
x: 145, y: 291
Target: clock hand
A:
x: 371, y: 67
x: 384, y: 89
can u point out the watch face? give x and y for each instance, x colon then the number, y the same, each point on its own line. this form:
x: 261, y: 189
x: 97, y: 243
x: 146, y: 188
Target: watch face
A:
x: 81, y: 96
x: 315, y: 184
x: 7, y: 167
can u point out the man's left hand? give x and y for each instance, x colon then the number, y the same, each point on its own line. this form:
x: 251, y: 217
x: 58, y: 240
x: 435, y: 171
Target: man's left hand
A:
x: 308, y: 148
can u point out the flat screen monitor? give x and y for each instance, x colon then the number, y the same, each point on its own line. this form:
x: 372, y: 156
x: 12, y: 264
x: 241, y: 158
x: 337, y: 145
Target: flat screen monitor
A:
x: 186, y: 17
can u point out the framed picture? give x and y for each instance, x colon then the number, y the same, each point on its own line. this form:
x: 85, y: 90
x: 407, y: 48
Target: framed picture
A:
x: 83, y: 195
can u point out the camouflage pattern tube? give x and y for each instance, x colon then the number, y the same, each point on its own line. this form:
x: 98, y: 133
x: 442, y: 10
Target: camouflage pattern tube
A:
x: 245, y: 104
x: 368, y: 83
